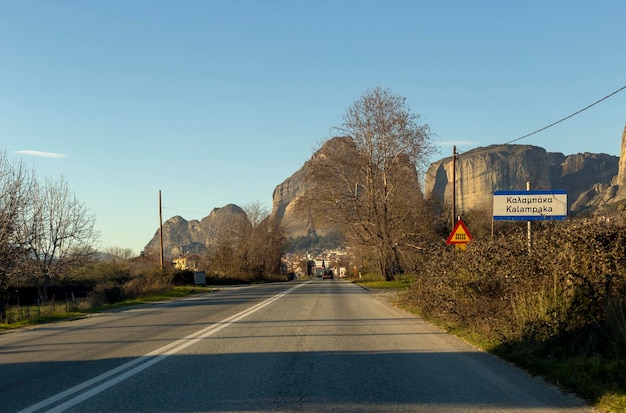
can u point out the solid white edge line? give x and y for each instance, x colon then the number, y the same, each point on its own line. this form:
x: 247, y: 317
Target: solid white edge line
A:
x: 145, y: 361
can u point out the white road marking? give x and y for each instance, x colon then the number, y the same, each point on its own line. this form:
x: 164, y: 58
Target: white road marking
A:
x: 141, y: 363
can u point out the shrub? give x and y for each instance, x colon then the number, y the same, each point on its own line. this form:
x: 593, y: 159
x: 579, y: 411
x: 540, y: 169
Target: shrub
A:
x: 564, y: 303
x: 106, y: 292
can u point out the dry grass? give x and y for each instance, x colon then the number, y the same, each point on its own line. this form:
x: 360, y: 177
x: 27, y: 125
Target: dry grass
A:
x: 558, y: 312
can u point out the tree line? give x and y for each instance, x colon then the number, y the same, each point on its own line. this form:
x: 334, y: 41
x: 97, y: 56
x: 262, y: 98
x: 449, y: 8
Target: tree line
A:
x: 44, y: 229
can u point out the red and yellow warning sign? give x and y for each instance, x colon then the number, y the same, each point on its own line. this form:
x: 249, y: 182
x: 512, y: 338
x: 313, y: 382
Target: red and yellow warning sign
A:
x: 460, y: 235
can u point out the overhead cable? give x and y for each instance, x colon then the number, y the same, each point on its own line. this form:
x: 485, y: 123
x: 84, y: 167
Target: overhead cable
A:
x: 567, y: 117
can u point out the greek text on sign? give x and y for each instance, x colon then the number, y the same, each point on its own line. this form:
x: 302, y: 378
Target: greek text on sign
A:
x: 529, y: 205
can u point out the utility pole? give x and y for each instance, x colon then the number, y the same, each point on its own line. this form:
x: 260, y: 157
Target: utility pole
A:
x: 529, y: 234
x: 161, y: 228
x: 453, y: 186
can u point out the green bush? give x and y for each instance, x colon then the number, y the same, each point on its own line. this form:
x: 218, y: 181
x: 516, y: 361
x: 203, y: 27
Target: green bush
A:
x: 565, y: 300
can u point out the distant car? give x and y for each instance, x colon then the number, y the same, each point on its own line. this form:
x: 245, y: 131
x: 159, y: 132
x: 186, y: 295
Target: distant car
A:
x: 328, y: 275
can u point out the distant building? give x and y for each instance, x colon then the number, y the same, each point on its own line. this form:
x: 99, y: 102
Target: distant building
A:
x: 189, y: 262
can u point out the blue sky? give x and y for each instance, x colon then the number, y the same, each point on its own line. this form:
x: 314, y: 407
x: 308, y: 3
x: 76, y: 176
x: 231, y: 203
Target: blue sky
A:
x: 217, y: 102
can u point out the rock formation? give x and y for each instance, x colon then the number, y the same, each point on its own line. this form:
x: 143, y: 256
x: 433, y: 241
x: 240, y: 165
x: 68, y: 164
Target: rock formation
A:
x: 181, y: 237
x: 290, y: 191
x: 591, y: 180
x: 604, y: 193
x: 482, y: 171
x: 620, y: 179
x: 284, y: 200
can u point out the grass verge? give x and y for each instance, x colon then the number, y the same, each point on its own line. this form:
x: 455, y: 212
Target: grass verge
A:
x: 170, y: 294
x: 400, y: 283
x: 600, y: 381
x: 613, y: 402
x: 53, y: 312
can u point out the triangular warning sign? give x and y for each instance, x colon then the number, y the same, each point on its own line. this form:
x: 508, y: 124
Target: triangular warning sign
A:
x: 460, y: 234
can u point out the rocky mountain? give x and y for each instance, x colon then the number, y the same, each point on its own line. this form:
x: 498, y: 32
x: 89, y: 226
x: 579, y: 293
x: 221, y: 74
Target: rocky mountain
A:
x: 605, y: 194
x: 591, y: 180
x: 181, y: 237
x: 287, y: 193
x: 482, y: 171
x: 283, y: 204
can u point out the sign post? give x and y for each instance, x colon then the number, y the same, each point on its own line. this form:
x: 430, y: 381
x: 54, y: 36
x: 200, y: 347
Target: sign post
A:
x: 529, y: 206
x: 460, y: 236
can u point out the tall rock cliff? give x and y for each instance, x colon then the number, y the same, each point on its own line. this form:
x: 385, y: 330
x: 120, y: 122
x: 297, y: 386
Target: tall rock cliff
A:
x: 284, y: 201
x: 482, y: 171
x: 290, y: 191
x: 620, y: 179
x: 605, y: 193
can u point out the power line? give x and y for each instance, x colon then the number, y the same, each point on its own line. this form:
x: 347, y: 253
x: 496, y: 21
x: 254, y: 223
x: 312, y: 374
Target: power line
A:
x: 567, y: 117
x: 549, y: 126
x: 459, y: 152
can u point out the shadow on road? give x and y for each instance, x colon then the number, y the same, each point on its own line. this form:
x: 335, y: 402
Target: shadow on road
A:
x: 300, y: 381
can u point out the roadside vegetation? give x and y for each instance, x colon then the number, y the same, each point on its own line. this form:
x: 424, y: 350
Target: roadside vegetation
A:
x: 373, y: 281
x: 106, y: 286
x: 558, y: 311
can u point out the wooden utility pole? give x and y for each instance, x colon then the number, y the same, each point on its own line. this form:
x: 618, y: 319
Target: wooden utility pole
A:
x: 453, y: 186
x: 529, y: 233
x: 161, y: 228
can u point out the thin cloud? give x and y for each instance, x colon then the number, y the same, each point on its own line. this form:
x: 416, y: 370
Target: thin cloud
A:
x: 42, y: 154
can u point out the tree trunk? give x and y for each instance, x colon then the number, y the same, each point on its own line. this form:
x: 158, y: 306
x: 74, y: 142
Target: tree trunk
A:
x: 388, y: 262
x: 42, y: 289
x: 3, y: 312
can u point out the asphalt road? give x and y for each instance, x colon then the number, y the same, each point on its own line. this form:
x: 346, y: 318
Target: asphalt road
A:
x: 318, y: 346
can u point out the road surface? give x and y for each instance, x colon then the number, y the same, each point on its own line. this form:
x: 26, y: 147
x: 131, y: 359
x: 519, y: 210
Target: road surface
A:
x: 303, y: 346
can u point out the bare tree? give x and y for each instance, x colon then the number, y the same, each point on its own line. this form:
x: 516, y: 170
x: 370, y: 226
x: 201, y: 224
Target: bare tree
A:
x: 251, y: 245
x: 264, y: 243
x: 256, y: 213
x: 120, y: 254
x: 366, y: 182
x: 228, y: 255
x: 15, y: 184
x: 57, y: 230
x: 268, y: 241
